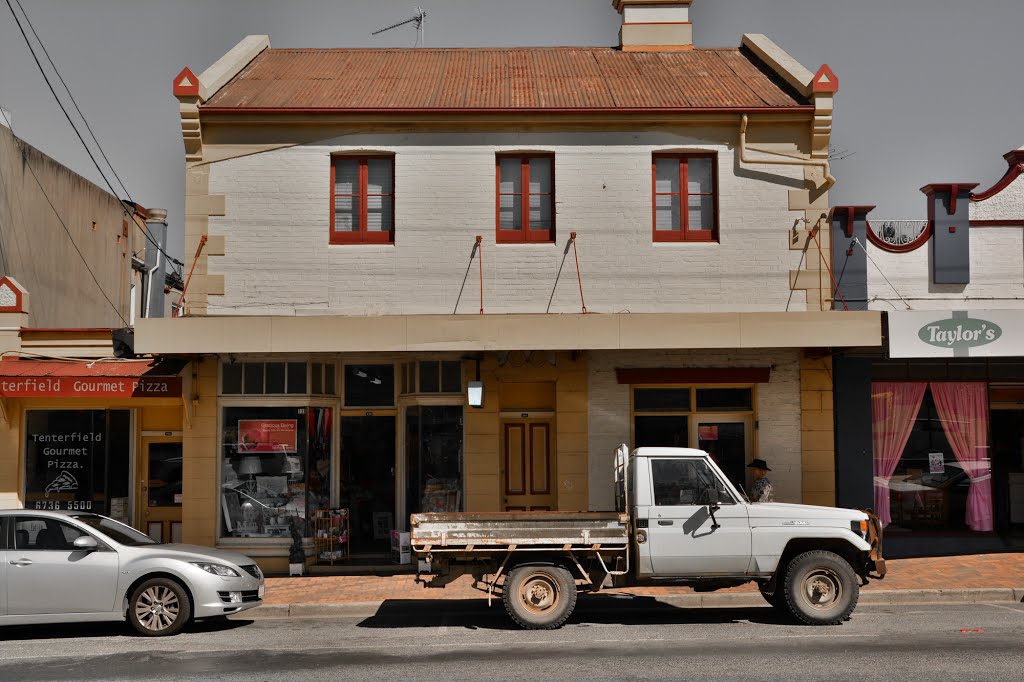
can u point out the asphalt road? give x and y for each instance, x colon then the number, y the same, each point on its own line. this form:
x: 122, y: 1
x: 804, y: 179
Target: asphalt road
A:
x: 607, y: 638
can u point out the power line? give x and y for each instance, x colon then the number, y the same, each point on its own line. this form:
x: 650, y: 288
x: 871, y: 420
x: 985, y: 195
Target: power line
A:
x: 88, y: 151
x: 42, y: 189
x: 73, y: 101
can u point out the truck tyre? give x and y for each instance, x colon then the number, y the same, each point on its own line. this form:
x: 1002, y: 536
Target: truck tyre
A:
x: 820, y: 588
x: 539, y: 597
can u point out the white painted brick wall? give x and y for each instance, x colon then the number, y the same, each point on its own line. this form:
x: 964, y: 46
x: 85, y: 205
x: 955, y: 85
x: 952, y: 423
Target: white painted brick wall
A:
x: 778, y: 411
x: 997, y: 275
x: 278, y: 259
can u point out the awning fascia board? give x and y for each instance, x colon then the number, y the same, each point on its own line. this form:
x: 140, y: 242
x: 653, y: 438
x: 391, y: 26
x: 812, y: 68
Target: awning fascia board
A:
x: 425, y: 333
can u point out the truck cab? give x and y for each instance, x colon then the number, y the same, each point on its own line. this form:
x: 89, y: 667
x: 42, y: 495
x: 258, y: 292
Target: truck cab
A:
x: 690, y: 522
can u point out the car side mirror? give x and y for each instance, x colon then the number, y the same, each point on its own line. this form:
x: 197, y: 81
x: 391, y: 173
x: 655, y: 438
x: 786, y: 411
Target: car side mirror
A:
x: 86, y: 543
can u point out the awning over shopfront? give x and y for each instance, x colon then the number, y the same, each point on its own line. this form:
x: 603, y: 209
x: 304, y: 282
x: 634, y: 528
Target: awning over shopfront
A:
x: 29, y: 378
x: 339, y: 334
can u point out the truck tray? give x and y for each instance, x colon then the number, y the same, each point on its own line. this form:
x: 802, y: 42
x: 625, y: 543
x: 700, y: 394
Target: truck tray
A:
x: 498, y: 531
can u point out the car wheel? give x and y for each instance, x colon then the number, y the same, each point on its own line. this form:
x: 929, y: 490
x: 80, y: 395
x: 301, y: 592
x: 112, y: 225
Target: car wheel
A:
x: 159, y: 607
x: 539, y: 597
x: 821, y: 588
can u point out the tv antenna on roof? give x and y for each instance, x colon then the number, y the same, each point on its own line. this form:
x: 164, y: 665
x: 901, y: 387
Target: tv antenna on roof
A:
x: 419, y: 17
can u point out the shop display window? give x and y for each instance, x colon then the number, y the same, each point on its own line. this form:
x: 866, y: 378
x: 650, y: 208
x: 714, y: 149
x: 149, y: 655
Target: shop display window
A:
x: 433, y: 449
x: 275, y: 469
x: 932, y: 465
x: 78, y: 460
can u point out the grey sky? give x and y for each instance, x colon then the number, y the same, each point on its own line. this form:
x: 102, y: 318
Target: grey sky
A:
x: 930, y: 90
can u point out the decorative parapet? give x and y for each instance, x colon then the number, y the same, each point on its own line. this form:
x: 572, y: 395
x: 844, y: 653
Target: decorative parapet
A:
x: 192, y: 91
x: 13, y: 296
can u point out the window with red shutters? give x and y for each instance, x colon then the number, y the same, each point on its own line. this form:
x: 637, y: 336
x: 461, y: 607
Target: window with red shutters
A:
x: 525, y: 199
x: 362, y: 200
x: 685, y: 197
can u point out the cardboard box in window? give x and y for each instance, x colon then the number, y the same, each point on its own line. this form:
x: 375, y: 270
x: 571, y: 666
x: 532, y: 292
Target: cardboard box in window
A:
x: 400, y: 550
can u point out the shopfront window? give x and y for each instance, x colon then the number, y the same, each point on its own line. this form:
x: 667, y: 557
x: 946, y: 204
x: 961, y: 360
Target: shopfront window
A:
x: 78, y: 460
x: 932, y: 465
x: 717, y: 420
x: 433, y: 449
x: 276, y: 469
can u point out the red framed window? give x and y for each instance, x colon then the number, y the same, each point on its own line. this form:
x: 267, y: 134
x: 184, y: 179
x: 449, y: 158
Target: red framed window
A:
x: 685, y: 197
x: 526, y: 199
x: 363, y: 200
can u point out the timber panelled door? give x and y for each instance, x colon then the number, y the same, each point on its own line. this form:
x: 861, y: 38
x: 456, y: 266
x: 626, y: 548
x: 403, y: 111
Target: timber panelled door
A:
x: 160, y: 489
x: 529, y: 465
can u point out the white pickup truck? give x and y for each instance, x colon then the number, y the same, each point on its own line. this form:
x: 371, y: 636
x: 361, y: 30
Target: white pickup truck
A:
x: 679, y: 521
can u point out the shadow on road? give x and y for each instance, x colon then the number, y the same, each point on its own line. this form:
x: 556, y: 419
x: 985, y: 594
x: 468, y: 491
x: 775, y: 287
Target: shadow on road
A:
x: 611, y: 610
x: 13, y: 633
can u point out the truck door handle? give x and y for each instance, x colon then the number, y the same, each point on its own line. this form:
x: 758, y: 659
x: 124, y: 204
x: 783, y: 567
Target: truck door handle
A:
x: 665, y: 522
x: 21, y: 562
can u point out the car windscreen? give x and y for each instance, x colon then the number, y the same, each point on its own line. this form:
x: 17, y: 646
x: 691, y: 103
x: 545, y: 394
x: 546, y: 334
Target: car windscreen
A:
x: 115, y: 530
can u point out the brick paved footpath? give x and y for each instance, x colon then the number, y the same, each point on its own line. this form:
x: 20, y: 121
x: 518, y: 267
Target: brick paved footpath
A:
x: 959, y: 572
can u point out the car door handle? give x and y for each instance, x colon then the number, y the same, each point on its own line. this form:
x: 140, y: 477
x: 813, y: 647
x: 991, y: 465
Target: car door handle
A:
x: 21, y: 562
x: 665, y: 522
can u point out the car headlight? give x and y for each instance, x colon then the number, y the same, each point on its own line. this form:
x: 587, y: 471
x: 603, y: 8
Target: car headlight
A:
x: 216, y: 569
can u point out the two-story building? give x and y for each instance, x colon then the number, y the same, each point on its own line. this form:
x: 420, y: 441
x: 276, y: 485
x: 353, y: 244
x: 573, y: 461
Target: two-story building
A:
x: 444, y: 279
x: 82, y: 427
x: 931, y: 429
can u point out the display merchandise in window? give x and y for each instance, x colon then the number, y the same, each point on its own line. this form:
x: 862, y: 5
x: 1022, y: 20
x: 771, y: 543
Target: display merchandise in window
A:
x: 276, y: 469
x: 434, y: 458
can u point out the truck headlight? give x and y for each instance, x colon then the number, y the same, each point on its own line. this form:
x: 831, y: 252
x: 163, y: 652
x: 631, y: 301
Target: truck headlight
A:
x: 860, y: 528
x: 216, y: 569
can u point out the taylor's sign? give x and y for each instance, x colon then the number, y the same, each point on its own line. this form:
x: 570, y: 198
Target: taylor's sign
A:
x: 90, y: 387
x: 956, y: 334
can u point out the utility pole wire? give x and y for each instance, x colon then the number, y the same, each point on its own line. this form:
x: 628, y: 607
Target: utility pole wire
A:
x: 24, y: 156
x: 88, y: 151
x: 73, y: 101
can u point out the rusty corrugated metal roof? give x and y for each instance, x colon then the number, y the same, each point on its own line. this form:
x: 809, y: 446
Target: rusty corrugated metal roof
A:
x: 503, y: 79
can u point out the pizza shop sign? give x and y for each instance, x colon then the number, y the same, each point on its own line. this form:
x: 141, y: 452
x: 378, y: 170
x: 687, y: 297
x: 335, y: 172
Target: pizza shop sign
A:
x: 977, y: 333
x: 90, y: 387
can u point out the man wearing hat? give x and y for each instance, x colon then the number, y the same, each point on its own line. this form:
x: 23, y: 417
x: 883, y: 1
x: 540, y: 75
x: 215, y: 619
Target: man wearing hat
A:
x: 762, y: 491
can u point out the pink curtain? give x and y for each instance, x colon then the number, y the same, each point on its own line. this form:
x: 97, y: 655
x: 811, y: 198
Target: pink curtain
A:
x: 894, y: 408
x: 963, y: 409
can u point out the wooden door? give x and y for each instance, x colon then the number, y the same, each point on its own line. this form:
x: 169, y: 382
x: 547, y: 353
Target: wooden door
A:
x: 528, y: 466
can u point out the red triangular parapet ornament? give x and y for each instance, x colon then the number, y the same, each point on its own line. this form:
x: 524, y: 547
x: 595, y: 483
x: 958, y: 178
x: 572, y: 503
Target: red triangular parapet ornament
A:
x: 13, y: 296
x: 186, y: 84
x: 825, y: 81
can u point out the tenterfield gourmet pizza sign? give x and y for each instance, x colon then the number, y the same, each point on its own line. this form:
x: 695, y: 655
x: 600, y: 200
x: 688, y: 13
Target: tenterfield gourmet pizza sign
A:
x: 956, y: 334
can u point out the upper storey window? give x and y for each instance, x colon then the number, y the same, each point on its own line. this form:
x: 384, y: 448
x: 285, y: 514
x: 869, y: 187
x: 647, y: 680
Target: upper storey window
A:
x: 526, y: 199
x: 685, y: 198
x: 363, y: 200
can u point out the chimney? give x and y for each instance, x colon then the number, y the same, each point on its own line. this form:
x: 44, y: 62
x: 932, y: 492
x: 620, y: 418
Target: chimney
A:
x: 655, y: 25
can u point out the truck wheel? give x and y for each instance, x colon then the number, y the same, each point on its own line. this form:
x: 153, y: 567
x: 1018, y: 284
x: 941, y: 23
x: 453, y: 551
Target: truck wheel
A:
x: 159, y: 607
x: 539, y: 597
x: 820, y: 588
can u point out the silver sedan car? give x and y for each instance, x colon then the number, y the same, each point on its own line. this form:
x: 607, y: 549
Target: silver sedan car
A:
x: 65, y: 567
